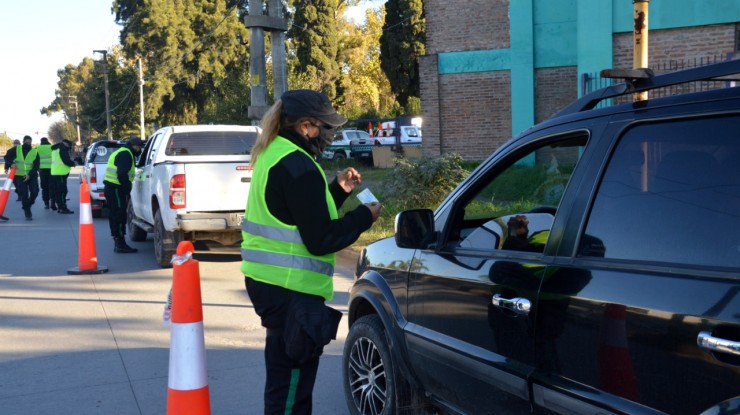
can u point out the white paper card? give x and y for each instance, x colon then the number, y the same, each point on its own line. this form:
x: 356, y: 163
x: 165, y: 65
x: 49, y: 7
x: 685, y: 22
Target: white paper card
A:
x: 366, y: 196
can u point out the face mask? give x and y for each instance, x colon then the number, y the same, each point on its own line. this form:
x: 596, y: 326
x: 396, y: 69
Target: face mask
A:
x: 323, y: 139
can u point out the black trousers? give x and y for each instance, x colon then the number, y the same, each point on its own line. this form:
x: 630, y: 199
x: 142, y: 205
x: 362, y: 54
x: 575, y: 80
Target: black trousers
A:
x: 45, y: 178
x: 117, y: 199
x: 59, y: 191
x: 289, y: 384
x: 27, y: 190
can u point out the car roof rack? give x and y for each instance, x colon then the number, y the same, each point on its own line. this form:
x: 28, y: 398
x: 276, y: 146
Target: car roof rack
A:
x: 643, y: 79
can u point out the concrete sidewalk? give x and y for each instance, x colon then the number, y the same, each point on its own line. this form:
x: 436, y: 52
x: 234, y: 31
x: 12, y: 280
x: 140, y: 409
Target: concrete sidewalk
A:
x: 95, y: 344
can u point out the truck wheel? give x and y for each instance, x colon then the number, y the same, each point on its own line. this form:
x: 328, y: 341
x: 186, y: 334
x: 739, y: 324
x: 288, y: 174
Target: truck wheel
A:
x: 134, y: 232
x: 339, y: 155
x: 165, y: 242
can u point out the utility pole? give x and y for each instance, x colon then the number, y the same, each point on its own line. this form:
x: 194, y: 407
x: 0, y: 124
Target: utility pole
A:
x: 275, y: 24
x: 141, y: 101
x: 107, y: 93
x: 73, y: 100
x: 640, y: 40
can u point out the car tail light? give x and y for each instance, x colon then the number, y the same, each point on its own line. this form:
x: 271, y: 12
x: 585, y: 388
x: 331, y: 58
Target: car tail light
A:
x: 93, y: 175
x: 177, y: 191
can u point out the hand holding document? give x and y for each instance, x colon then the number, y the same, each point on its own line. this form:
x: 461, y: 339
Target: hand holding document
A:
x: 366, y: 196
x: 368, y: 199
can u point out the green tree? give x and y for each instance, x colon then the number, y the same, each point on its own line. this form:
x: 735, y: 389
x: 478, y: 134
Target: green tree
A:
x: 5, y: 141
x: 193, y: 52
x: 401, y: 44
x: 315, y: 38
x: 364, y: 90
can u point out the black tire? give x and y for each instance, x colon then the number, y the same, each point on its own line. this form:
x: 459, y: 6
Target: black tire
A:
x: 165, y: 243
x: 134, y: 232
x: 339, y: 155
x: 368, y: 372
x: 97, y: 213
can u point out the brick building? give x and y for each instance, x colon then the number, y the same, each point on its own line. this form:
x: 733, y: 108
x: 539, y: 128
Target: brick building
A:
x: 495, y: 67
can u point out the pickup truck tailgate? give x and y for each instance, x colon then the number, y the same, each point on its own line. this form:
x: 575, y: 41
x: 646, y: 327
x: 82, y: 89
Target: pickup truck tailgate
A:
x: 217, y: 187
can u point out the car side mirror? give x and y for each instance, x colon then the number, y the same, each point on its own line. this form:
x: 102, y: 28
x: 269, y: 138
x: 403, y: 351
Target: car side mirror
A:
x: 415, y: 228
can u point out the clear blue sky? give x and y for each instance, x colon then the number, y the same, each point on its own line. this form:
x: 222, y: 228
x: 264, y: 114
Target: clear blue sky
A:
x: 39, y: 37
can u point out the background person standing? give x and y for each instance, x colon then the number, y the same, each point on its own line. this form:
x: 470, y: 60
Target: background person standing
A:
x: 119, y: 175
x: 44, y: 150
x: 26, y: 181
x: 61, y: 165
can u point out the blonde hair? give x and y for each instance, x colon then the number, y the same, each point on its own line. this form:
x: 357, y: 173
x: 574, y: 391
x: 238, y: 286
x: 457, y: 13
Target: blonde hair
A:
x: 271, y: 123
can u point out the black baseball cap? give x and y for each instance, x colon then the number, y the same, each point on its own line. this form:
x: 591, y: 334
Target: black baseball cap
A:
x: 308, y: 103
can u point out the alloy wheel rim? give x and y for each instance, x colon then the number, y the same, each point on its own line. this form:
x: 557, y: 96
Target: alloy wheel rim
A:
x: 367, y: 377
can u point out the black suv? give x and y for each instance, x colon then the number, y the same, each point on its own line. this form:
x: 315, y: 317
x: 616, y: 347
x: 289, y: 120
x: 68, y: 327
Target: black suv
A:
x: 591, y: 265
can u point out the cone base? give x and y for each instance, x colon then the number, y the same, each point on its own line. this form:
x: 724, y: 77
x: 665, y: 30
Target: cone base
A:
x: 4, y: 219
x: 78, y: 271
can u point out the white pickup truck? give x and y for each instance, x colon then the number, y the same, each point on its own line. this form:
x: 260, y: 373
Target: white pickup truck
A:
x: 191, y: 183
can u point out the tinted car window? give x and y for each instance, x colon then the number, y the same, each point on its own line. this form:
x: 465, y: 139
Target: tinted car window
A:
x: 211, y: 143
x: 673, y: 187
x: 515, y: 209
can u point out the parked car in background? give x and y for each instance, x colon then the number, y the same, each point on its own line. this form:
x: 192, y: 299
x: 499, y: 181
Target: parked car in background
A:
x: 591, y: 265
x: 409, y: 135
x: 339, y: 149
x: 93, y: 170
x: 192, y: 183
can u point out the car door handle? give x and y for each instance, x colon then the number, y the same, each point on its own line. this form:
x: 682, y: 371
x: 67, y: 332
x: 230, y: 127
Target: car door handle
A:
x: 517, y: 305
x: 705, y: 340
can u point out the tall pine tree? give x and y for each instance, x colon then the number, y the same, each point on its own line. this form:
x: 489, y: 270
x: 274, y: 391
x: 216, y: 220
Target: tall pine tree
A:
x: 402, y: 42
x: 315, y: 38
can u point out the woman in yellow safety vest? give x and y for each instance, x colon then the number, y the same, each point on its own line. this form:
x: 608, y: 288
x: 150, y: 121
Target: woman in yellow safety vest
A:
x: 291, y: 232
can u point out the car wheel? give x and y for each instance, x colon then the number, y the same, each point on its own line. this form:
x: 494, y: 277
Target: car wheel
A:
x: 134, y: 232
x: 165, y: 242
x: 368, y: 371
x: 339, y: 155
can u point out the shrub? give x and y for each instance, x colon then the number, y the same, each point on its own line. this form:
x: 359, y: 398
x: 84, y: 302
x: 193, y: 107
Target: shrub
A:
x: 421, y: 183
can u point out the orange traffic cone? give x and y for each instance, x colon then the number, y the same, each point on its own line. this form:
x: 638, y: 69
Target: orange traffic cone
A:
x: 187, y: 386
x: 370, y: 129
x: 616, y: 370
x: 87, y: 262
x: 5, y: 192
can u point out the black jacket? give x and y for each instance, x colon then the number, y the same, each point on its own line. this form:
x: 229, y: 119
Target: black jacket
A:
x: 295, y: 194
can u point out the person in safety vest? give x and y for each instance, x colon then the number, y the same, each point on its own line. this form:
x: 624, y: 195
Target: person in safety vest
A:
x: 291, y: 232
x: 61, y: 165
x: 119, y: 176
x: 26, y: 181
x: 9, y: 158
x: 44, y: 150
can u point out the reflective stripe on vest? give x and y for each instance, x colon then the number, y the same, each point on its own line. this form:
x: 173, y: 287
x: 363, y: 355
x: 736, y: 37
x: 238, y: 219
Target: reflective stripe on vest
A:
x: 58, y: 168
x: 44, y: 156
x: 24, y: 164
x: 111, y: 171
x: 273, y: 252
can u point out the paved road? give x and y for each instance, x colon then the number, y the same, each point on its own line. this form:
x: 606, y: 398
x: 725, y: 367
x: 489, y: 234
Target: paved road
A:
x: 95, y: 344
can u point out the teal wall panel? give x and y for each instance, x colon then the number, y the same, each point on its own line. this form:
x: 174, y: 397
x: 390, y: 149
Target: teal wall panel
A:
x: 522, y: 34
x: 666, y: 14
x: 594, y: 38
x: 473, y: 61
x: 555, y: 44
